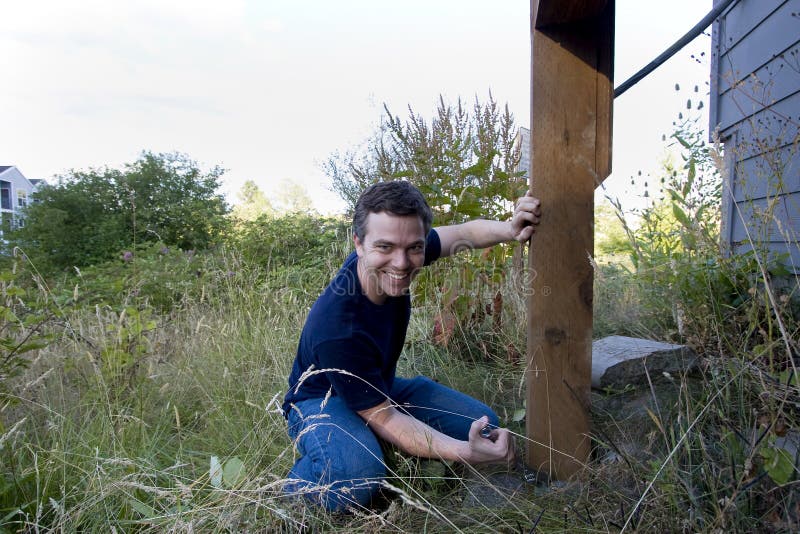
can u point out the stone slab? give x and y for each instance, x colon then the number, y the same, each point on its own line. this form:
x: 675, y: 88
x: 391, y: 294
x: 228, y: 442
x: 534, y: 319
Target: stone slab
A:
x: 619, y: 360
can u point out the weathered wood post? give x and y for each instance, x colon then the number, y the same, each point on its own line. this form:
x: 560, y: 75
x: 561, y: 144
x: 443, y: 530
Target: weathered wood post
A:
x: 572, y: 91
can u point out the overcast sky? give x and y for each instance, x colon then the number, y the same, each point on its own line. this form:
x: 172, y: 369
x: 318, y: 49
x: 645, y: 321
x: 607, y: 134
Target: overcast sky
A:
x: 268, y: 89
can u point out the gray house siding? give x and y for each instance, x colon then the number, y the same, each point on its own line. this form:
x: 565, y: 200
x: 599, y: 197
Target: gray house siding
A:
x: 755, y: 105
x: 17, y: 192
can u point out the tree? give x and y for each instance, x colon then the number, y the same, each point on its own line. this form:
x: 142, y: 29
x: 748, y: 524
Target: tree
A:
x: 174, y: 201
x: 89, y: 216
x: 293, y: 198
x: 253, y: 203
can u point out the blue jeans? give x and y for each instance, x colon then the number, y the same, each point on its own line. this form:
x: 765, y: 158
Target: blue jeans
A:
x: 342, y: 463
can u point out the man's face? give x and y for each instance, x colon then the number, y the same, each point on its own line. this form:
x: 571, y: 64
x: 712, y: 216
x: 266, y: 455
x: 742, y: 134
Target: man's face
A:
x: 391, y: 254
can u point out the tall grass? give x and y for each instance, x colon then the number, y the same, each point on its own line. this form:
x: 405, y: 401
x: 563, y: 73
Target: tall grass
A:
x: 716, y: 451
x: 90, y: 445
x: 122, y: 428
x: 155, y: 407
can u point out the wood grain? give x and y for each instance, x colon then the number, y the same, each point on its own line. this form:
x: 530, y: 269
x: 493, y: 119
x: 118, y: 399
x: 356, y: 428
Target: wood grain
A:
x: 571, y: 109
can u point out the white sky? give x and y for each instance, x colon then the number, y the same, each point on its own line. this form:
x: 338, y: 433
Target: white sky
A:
x: 270, y: 88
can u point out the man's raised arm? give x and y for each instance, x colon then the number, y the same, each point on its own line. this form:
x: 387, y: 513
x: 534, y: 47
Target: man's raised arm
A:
x: 483, y: 233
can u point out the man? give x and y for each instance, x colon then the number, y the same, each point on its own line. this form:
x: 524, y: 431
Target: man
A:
x: 343, y: 395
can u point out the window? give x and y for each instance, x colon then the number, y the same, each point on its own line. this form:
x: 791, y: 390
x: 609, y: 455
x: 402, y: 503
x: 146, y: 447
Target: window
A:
x: 22, y: 198
x: 5, y: 195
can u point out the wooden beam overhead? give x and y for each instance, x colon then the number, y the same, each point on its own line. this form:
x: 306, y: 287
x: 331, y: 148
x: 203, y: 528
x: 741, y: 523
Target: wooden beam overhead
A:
x: 571, y: 108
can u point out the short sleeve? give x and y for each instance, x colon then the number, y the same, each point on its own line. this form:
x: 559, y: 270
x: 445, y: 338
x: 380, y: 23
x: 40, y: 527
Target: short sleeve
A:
x: 433, y: 247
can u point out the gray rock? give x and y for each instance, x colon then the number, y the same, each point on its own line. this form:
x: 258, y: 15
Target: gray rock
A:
x: 494, y: 490
x: 618, y: 361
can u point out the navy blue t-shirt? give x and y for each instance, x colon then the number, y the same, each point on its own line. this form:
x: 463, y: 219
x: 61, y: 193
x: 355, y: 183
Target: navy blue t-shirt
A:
x: 348, y: 332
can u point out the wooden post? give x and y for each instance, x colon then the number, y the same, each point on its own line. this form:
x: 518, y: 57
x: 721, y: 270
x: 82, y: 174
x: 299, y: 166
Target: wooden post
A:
x: 571, y: 104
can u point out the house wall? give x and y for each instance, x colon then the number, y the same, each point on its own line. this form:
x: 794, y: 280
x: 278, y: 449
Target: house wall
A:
x: 755, y: 104
x: 18, y: 183
x: 523, y: 142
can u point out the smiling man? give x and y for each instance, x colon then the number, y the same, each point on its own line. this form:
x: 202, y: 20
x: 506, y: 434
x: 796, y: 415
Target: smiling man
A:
x: 344, y: 397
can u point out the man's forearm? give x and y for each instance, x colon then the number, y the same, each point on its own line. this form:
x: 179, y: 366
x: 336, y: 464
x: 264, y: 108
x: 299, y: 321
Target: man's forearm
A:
x: 484, y: 233
x: 475, y: 234
x: 418, y: 439
x: 414, y: 437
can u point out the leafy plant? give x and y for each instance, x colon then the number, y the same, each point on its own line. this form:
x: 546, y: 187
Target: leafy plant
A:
x: 23, y: 325
x: 464, y: 163
x: 88, y: 216
x: 125, y: 347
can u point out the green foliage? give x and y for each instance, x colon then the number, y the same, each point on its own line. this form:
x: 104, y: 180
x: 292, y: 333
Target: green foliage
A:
x: 231, y: 473
x: 465, y: 163
x: 78, y: 221
x: 294, y: 238
x: 117, y: 422
x: 297, y: 252
x: 88, y: 216
x: 123, y: 349
x: 292, y: 198
x: 610, y: 239
x: 30, y: 320
x: 293, y: 253
x: 172, y: 200
x: 728, y: 445
x: 161, y: 276
x: 685, y: 223
x: 674, y: 249
x: 24, y: 318
x: 778, y: 464
x: 682, y: 277
x: 252, y: 204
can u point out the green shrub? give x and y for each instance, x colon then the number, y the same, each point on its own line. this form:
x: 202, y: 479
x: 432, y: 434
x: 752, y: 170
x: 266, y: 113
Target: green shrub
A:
x: 25, y: 317
x: 296, y: 253
x: 87, y: 216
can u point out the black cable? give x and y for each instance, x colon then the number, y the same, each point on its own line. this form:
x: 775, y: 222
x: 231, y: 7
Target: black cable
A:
x: 672, y: 50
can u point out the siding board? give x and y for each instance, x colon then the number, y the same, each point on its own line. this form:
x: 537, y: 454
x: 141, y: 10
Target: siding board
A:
x: 770, y: 37
x: 755, y: 103
x: 768, y: 128
x: 776, y: 171
x: 789, y: 253
x: 775, y: 220
x: 776, y: 80
x: 747, y: 15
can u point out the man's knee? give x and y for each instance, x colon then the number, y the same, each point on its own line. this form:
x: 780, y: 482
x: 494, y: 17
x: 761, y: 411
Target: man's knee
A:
x: 358, y: 466
x: 336, y: 484
x: 338, y: 469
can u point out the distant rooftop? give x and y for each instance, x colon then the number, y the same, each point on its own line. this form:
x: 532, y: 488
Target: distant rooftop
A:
x: 4, y: 168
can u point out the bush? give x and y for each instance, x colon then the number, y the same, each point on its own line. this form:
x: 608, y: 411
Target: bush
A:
x: 88, y: 216
x: 295, y: 252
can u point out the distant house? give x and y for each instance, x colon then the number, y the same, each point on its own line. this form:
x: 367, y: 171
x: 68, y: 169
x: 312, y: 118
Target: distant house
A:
x: 16, y: 192
x: 522, y: 142
x: 755, y: 104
